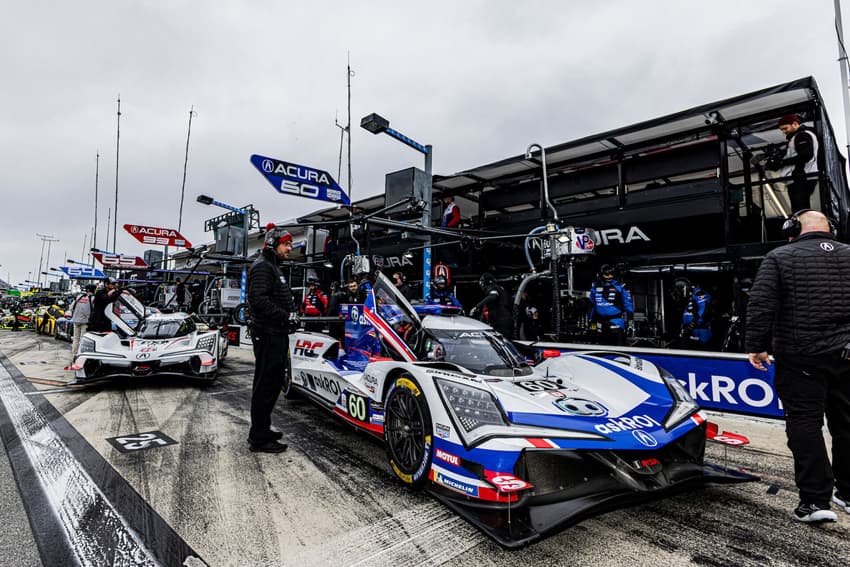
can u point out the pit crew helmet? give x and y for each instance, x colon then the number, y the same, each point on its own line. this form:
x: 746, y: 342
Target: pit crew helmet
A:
x: 682, y: 288
x: 607, y: 270
x: 486, y: 280
x: 440, y: 282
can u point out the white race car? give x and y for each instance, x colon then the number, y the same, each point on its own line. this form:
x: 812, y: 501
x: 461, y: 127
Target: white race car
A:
x: 518, y: 447
x: 144, y: 344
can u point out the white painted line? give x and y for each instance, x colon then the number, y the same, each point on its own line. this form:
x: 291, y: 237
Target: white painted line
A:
x: 97, y: 534
x: 51, y: 391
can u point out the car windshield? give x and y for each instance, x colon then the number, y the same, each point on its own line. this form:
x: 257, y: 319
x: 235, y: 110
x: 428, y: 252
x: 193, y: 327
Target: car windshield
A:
x: 482, y: 352
x: 153, y: 328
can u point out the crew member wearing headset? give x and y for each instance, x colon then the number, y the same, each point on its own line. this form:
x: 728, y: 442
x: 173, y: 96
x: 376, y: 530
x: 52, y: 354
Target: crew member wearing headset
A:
x: 440, y: 294
x: 799, y: 310
x: 315, y: 301
x: 697, y: 319
x: 272, y: 318
x: 498, y: 304
x: 611, y: 307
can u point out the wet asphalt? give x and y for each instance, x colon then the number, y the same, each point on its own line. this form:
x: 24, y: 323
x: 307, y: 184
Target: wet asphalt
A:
x: 331, y: 499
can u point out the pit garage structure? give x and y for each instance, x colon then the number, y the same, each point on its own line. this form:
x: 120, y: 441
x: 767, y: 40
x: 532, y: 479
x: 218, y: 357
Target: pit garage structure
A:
x: 683, y: 195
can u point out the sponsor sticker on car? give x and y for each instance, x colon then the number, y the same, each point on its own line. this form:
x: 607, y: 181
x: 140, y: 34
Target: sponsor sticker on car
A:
x: 456, y: 485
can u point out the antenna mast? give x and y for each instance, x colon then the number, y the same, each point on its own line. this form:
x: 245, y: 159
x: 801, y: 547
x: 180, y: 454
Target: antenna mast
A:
x: 185, y: 163
x: 348, y: 126
x: 117, y: 147
x: 96, y: 175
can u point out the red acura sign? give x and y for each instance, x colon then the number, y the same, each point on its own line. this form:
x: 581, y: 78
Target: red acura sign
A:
x: 157, y: 236
x: 120, y: 261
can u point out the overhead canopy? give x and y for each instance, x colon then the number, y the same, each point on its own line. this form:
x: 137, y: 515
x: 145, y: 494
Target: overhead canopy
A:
x: 742, y: 111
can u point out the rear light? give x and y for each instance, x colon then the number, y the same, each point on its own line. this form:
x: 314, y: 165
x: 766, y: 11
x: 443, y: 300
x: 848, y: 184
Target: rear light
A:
x: 551, y: 353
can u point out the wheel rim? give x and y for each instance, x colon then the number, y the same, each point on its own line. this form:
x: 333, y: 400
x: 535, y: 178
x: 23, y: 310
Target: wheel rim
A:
x: 405, y: 430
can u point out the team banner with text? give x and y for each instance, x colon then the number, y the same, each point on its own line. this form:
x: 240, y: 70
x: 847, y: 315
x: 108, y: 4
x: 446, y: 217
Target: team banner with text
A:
x: 299, y: 180
x: 157, y: 236
x: 120, y: 261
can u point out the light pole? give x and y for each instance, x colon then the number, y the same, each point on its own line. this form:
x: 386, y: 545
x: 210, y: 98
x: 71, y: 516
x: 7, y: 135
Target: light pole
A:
x: 44, y: 238
x: 246, y: 223
x: 378, y: 124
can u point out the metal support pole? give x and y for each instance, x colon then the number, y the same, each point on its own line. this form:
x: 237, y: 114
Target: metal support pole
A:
x: 426, y: 222
x: 117, y: 149
x: 845, y: 97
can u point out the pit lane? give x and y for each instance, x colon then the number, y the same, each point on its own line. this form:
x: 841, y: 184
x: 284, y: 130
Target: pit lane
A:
x: 331, y: 499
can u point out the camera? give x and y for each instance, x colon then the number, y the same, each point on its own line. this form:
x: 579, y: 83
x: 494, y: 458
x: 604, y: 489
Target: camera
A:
x: 772, y: 155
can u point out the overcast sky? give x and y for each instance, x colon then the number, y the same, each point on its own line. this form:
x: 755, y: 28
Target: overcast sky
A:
x: 479, y: 80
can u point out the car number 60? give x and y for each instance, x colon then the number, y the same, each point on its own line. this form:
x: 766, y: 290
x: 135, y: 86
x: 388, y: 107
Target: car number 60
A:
x: 357, y: 407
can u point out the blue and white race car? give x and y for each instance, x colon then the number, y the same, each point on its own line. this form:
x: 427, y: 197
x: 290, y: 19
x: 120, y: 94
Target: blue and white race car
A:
x: 518, y: 447
x: 145, y: 342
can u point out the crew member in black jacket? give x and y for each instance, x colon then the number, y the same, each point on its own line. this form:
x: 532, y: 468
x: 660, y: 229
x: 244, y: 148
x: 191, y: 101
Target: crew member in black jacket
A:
x: 801, y: 160
x: 800, y: 300
x: 498, y: 304
x: 99, y: 322
x: 271, y: 308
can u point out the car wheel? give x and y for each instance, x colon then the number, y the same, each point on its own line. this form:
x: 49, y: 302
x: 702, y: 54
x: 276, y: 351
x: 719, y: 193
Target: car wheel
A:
x: 407, y: 431
x: 288, y: 390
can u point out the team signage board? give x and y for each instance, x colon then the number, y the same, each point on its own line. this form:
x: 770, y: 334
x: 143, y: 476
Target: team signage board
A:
x: 157, y: 236
x: 82, y: 272
x: 120, y: 261
x: 300, y: 180
x: 717, y: 381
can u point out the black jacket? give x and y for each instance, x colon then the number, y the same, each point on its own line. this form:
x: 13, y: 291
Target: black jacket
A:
x: 800, y: 298
x: 98, y: 321
x: 499, y: 307
x: 805, y: 150
x: 269, y: 297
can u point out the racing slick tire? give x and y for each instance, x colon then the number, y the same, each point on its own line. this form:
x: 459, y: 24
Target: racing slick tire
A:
x: 407, y: 431
x: 288, y: 390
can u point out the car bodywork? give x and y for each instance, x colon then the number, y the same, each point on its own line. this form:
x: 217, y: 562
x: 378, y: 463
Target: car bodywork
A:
x: 518, y: 449
x: 146, y: 343
x: 64, y: 330
x: 45, y: 319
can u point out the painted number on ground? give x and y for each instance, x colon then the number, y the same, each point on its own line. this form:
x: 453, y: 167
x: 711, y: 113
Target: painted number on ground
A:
x: 141, y: 441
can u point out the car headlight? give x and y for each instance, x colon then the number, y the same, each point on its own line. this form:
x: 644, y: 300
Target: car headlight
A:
x: 684, y: 405
x: 207, y: 343
x: 87, y: 344
x: 472, y: 408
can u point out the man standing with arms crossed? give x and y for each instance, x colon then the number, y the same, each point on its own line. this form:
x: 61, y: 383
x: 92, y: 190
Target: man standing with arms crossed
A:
x: 799, y: 299
x: 272, y: 311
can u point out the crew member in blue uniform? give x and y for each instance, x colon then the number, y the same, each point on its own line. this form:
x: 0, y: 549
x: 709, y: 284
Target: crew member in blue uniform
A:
x: 611, y: 307
x: 696, y: 319
x: 440, y: 294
